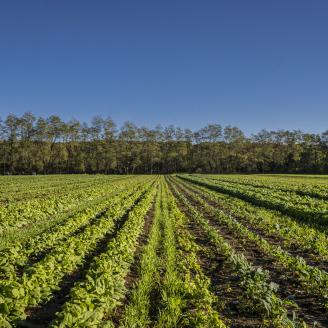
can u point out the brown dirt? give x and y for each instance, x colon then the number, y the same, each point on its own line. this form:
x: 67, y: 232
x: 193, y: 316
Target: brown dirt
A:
x: 311, y: 258
x: 310, y: 309
x: 133, y: 275
x: 223, y: 285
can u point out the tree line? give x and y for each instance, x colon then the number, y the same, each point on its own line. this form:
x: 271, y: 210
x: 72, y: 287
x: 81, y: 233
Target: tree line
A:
x: 30, y: 144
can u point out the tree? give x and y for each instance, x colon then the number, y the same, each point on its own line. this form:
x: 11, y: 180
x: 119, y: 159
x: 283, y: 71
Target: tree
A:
x: 50, y: 145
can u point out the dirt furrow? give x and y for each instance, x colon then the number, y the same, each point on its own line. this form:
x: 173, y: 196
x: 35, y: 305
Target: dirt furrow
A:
x: 220, y: 272
x: 309, y: 307
x: 293, y: 250
x: 133, y: 274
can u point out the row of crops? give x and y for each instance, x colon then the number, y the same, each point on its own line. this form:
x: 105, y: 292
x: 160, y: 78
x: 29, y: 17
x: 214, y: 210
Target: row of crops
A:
x: 163, y: 251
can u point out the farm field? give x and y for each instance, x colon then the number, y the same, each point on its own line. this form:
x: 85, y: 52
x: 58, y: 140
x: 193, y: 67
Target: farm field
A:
x: 184, y: 250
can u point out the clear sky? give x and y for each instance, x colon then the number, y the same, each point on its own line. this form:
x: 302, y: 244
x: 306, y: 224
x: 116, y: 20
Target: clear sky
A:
x: 254, y: 64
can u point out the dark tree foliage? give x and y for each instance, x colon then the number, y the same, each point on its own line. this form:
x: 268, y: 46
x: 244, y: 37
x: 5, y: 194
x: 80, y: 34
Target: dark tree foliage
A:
x: 30, y: 144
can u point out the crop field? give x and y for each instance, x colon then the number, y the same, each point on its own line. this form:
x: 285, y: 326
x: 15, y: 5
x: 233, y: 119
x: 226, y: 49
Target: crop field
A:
x: 164, y: 251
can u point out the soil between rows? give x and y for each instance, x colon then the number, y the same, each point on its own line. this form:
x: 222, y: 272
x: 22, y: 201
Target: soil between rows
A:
x: 133, y: 275
x: 216, y: 267
x: 309, y: 309
x: 294, y: 250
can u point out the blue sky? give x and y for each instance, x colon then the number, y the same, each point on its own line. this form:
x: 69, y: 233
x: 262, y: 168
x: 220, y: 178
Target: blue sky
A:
x: 253, y: 64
